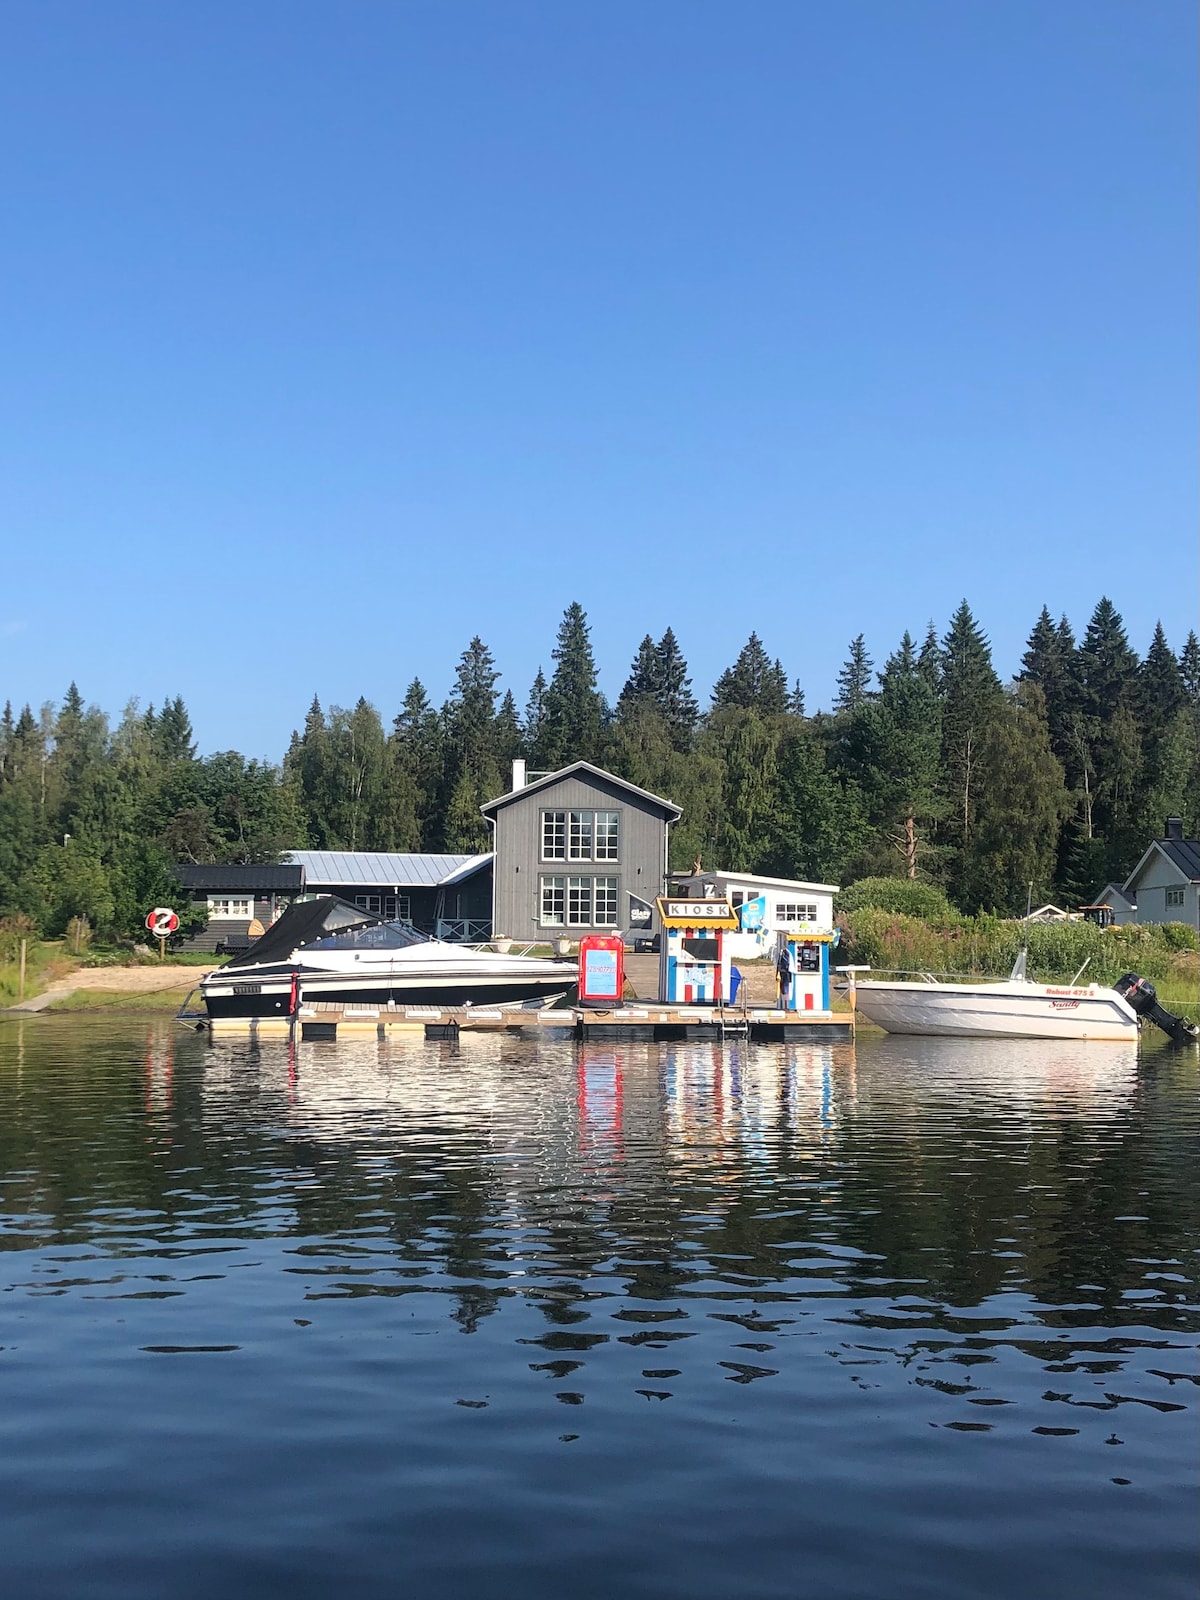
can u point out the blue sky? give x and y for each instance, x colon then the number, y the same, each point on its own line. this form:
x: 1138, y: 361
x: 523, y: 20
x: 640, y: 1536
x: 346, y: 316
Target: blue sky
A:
x: 334, y: 334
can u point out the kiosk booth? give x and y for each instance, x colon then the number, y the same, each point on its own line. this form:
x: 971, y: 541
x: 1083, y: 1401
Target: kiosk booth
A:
x: 802, y: 963
x: 694, y: 953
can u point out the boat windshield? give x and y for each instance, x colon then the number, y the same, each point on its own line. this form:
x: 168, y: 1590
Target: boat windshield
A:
x: 378, y: 936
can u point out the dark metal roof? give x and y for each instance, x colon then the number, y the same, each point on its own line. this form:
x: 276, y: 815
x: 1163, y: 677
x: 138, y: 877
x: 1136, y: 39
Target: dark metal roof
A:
x: 217, y: 877
x: 1184, y: 854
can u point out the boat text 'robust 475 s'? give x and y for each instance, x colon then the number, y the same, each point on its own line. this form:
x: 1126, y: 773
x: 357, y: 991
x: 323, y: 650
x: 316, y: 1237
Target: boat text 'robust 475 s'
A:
x: 325, y: 949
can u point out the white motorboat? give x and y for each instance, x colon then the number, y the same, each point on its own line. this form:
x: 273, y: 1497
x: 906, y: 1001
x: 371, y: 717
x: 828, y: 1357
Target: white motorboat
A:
x: 1012, y: 1008
x: 326, y: 949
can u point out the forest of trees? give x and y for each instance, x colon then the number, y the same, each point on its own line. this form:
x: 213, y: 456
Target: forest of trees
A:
x: 927, y: 767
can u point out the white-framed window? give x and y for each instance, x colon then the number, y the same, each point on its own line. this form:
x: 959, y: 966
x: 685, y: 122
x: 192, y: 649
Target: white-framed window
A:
x: 604, y: 903
x: 397, y: 908
x: 581, y: 835
x: 583, y: 825
x: 795, y: 911
x: 370, y: 902
x: 554, y: 835
x: 608, y: 835
x: 230, y: 907
x: 554, y: 905
x: 1175, y: 897
x: 579, y: 902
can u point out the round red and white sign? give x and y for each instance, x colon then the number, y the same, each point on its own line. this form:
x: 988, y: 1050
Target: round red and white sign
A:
x: 162, y: 921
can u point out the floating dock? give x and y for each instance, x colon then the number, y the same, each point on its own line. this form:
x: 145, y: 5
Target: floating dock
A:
x: 649, y: 1021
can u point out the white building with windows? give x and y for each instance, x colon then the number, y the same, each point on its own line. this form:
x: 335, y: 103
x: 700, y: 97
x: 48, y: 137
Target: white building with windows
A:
x: 765, y: 907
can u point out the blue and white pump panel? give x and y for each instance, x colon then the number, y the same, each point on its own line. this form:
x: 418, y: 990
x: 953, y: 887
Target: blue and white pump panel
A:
x: 802, y: 968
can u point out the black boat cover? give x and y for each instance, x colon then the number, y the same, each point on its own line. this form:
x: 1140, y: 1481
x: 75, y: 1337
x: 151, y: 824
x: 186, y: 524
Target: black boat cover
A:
x: 304, y: 922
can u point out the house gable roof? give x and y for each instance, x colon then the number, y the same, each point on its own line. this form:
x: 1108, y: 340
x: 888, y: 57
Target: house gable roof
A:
x: 1115, y: 891
x: 670, y: 809
x: 1183, y: 855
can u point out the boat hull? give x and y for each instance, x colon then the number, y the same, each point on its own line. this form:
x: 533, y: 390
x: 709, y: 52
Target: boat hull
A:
x: 997, y: 1011
x: 270, y: 994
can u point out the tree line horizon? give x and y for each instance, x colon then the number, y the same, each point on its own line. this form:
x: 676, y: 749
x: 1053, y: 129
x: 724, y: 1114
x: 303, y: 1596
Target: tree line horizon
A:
x: 928, y: 766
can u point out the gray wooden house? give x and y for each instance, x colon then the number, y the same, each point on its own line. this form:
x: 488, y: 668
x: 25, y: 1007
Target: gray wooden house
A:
x: 1165, y: 884
x: 577, y: 851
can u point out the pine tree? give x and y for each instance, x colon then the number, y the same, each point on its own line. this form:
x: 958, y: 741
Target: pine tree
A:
x: 1050, y: 662
x: 574, y: 709
x: 902, y: 663
x: 753, y: 683
x: 890, y: 747
x: 971, y: 697
x: 535, y: 722
x: 415, y: 752
x: 641, y: 686
x: 509, y: 739
x: 1160, y: 691
x: 1107, y: 663
x: 472, y: 768
x: 1189, y: 671
x: 929, y: 661
x: 173, y: 738
x: 6, y: 738
x: 673, y: 691
x: 796, y: 700
x: 854, y: 680
x: 308, y: 764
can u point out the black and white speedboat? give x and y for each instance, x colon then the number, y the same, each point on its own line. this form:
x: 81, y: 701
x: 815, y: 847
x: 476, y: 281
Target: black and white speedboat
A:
x: 325, y: 949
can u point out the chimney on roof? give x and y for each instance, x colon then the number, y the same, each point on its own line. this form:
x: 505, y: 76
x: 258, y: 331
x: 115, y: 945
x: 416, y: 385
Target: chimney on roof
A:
x: 518, y: 777
x: 1175, y: 828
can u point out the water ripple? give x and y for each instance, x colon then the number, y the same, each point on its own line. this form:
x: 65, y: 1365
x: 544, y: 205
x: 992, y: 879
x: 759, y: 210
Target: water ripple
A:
x: 790, y: 1294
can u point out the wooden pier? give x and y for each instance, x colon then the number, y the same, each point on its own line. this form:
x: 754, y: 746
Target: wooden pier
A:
x: 651, y: 1020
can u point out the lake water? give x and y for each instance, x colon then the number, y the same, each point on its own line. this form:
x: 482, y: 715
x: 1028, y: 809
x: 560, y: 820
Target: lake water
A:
x: 535, y: 1319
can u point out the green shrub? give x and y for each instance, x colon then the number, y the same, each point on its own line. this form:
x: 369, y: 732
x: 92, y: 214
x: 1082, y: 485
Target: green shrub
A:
x: 891, y: 942
x: 907, y: 897
x: 1180, y: 936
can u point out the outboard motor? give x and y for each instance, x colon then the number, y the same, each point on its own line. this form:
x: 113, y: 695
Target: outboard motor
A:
x: 1143, y: 997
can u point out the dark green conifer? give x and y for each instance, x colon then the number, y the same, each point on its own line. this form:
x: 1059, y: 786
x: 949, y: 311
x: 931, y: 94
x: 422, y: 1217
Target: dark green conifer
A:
x: 971, y: 697
x: 673, y: 691
x: 1160, y: 691
x: 929, y: 661
x: 1189, y: 670
x: 535, y: 721
x: 641, y: 686
x: 753, y: 683
x: 1107, y: 664
x: 574, y: 708
x: 854, y: 680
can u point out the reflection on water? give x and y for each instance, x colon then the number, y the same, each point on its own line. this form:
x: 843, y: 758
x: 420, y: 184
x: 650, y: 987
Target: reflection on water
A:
x: 511, y: 1317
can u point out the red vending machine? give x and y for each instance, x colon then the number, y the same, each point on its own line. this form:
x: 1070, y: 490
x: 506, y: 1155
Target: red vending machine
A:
x: 601, y: 969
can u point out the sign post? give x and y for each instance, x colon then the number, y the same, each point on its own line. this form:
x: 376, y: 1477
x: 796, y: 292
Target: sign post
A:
x: 162, y: 922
